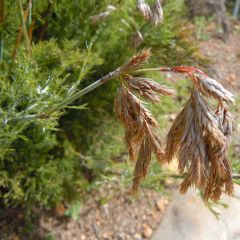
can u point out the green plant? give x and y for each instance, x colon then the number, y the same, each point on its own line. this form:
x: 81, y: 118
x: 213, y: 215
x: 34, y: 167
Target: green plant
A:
x: 49, y: 150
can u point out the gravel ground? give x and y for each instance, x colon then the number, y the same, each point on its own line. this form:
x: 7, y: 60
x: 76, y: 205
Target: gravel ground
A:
x: 123, y: 217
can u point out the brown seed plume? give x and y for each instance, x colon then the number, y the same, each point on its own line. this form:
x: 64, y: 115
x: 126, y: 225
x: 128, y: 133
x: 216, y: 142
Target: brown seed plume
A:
x: 140, y: 132
x: 137, y: 61
x: 135, y: 117
x: 143, y: 161
x: 174, y: 136
x: 211, y: 88
x: 220, y: 176
x: 199, y: 139
x: 157, y: 13
x: 149, y: 89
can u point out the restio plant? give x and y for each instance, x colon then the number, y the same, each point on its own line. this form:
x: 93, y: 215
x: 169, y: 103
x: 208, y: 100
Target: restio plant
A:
x: 51, y: 57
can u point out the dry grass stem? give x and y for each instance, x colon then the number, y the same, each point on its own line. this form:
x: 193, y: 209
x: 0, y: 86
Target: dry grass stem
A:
x: 99, y: 17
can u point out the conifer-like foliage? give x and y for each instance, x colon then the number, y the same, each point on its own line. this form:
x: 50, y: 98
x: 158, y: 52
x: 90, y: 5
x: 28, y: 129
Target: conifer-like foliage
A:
x: 49, y: 51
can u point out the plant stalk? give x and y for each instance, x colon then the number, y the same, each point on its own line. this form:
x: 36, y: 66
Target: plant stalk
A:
x: 84, y: 91
x: 24, y: 28
x: 159, y: 69
x: 2, y: 20
x: 91, y: 87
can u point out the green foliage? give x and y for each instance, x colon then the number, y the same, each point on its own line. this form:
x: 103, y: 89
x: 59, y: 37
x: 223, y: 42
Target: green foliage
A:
x: 34, y: 166
x: 45, y: 160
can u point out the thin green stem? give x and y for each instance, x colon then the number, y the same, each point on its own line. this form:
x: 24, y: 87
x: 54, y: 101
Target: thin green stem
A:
x: 30, y: 13
x: 159, y: 69
x: 2, y: 20
x: 67, y: 101
x: 84, y: 91
x: 116, y: 73
x: 24, y: 28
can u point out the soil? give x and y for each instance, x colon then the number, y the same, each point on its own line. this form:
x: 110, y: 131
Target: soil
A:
x: 224, y: 58
x: 123, y: 217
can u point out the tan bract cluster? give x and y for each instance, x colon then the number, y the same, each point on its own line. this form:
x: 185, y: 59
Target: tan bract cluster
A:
x: 149, y: 89
x: 141, y: 136
x: 211, y: 88
x: 198, y: 138
x: 136, y: 61
x: 140, y: 132
x: 153, y: 14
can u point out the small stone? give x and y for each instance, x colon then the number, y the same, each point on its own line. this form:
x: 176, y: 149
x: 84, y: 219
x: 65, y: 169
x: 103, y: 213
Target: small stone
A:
x: 106, y: 236
x: 161, y: 204
x: 83, y: 237
x: 232, y: 79
x: 137, y: 236
x: 147, y: 231
x: 60, y: 210
x: 172, y: 117
x: 121, y: 236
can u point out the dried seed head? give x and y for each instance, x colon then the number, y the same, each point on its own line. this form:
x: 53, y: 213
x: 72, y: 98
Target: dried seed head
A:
x: 135, y: 118
x: 199, y: 138
x: 149, y: 89
x: 211, y: 88
x: 207, y: 120
x: 174, y: 136
x: 143, y: 161
x: 144, y: 9
x: 157, y: 15
x: 137, y: 60
x: 140, y: 132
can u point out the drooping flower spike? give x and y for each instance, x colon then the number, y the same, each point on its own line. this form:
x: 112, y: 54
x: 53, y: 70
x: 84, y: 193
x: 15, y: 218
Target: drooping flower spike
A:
x: 199, y: 137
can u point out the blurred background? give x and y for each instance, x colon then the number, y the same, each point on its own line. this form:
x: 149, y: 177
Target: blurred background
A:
x: 68, y: 176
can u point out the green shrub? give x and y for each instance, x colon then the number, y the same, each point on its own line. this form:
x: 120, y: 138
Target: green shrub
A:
x: 46, y: 160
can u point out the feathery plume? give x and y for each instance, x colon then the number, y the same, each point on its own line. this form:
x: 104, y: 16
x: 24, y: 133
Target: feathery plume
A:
x: 143, y: 161
x: 174, y: 136
x: 220, y: 175
x: 137, y: 61
x: 199, y: 139
x: 157, y: 13
x: 135, y: 118
x: 211, y: 88
x: 148, y: 88
x: 144, y: 9
x: 140, y: 132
